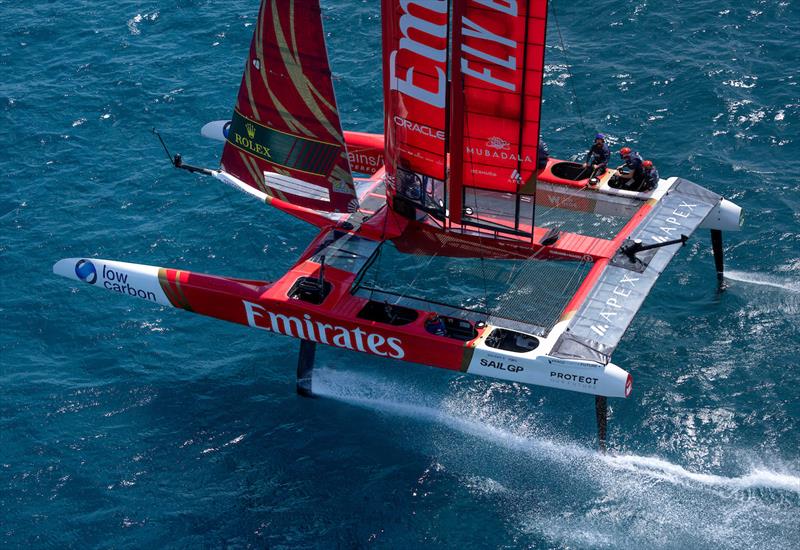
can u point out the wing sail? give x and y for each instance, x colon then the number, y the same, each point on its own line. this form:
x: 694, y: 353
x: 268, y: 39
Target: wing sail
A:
x: 497, y: 88
x: 616, y: 288
x: 286, y: 120
x: 462, y: 89
x: 415, y: 82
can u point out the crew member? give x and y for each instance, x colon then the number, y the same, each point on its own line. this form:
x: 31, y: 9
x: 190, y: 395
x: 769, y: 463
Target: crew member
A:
x: 409, y: 184
x: 630, y: 174
x: 435, y: 325
x: 542, y: 155
x: 598, y: 156
x: 650, y: 176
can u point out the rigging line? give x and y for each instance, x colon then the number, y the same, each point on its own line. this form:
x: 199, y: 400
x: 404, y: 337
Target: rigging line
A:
x: 475, y: 199
x: 480, y: 249
x: 517, y: 199
x: 482, y: 258
x: 578, y: 267
x: 447, y: 102
x: 521, y: 263
x: 485, y: 290
x: 515, y: 275
x: 448, y: 76
x: 383, y: 237
x: 377, y: 271
x: 569, y: 72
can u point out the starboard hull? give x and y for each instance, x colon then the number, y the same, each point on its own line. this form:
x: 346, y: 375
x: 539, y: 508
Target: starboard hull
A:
x: 267, y: 306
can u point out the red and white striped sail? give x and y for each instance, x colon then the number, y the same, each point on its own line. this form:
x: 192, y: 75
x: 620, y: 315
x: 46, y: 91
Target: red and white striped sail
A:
x: 286, y: 121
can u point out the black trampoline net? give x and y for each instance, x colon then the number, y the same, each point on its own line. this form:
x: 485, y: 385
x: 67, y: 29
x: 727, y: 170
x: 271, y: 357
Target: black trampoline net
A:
x: 523, y: 294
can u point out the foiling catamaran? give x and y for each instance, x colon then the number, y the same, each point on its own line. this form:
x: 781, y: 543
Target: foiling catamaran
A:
x: 455, y: 179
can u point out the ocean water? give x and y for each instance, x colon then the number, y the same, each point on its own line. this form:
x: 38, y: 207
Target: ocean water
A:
x: 123, y: 425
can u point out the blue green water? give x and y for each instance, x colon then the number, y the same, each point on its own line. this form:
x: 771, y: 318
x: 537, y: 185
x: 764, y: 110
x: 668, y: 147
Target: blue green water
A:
x: 124, y: 425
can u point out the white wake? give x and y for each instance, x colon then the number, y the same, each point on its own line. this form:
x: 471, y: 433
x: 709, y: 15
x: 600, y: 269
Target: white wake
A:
x: 762, y: 279
x: 756, y: 478
x: 370, y: 393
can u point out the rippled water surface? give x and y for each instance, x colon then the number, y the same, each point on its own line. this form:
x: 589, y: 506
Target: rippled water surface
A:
x: 124, y: 425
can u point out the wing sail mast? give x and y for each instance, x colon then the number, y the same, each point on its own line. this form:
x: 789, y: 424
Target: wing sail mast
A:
x: 286, y: 122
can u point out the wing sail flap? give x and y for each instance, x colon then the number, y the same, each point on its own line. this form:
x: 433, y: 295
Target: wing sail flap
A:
x: 415, y: 68
x: 497, y: 92
x: 612, y: 301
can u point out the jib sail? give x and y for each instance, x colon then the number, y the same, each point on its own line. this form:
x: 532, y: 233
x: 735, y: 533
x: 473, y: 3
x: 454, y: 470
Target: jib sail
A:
x: 285, y: 137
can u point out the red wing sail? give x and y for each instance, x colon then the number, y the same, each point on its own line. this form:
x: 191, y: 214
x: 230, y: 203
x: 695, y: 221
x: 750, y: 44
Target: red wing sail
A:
x: 481, y: 123
x: 415, y: 52
x: 286, y: 120
x: 499, y: 45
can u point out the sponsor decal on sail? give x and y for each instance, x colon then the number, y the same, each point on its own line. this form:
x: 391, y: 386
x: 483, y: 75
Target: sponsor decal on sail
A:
x: 497, y: 154
x: 496, y: 142
x: 365, y: 161
x: 282, y: 149
x: 423, y: 35
x: 418, y: 128
x: 483, y: 65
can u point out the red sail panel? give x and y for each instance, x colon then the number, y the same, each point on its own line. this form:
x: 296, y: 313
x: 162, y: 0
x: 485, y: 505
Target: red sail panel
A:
x: 286, y: 120
x: 415, y: 34
x: 500, y: 66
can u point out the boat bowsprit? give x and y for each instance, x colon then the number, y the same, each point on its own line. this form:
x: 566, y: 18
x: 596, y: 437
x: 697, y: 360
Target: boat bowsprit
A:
x: 452, y: 196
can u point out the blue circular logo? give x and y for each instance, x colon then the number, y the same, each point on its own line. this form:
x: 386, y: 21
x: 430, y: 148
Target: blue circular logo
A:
x: 85, y: 271
x: 225, y: 128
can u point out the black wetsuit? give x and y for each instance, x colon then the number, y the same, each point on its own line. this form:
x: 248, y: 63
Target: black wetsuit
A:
x: 436, y: 327
x: 542, y: 155
x: 634, y: 165
x: 650, y: 179
x: 599, y: 154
